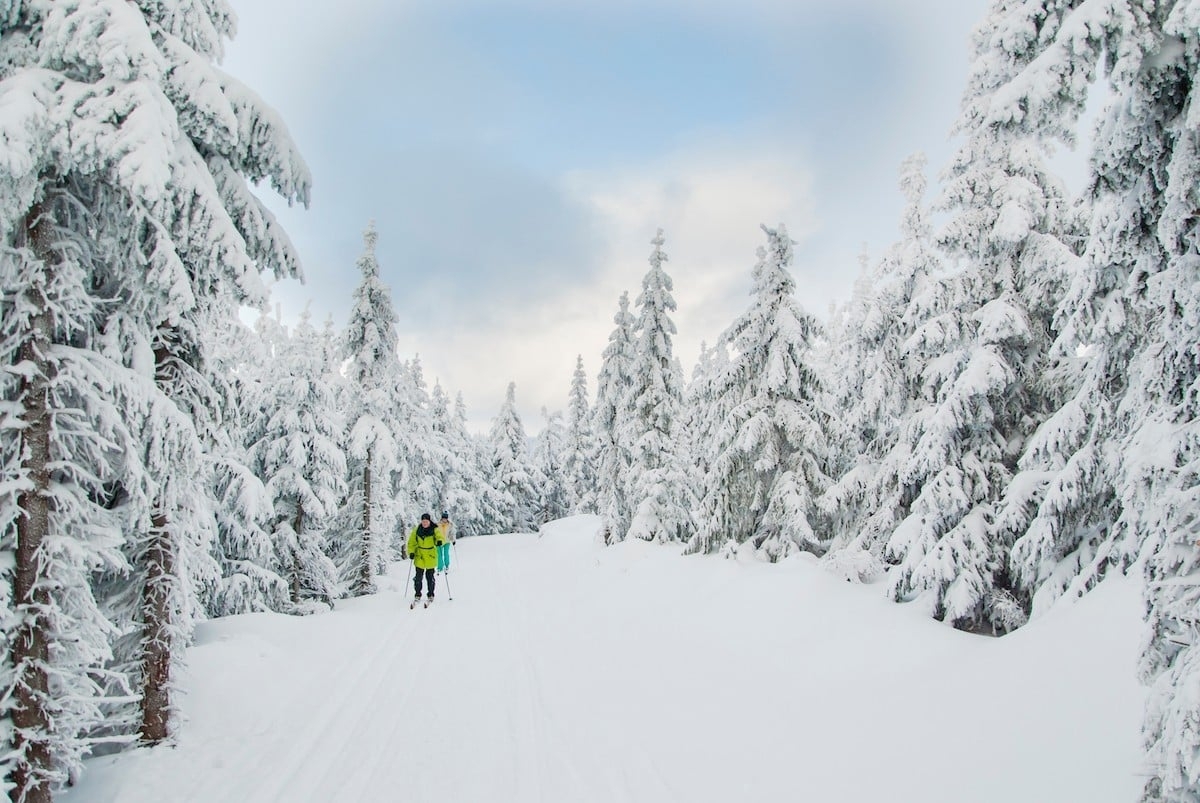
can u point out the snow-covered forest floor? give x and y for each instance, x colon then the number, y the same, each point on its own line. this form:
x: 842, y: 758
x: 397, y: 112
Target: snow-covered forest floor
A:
x: 566, y: 671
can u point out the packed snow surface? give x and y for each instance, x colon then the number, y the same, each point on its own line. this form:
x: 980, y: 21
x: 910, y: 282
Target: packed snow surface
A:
x: 566, y: 671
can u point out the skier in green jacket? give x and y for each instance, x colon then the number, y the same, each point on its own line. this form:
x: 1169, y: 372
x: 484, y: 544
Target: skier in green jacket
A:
x: 423, y: 544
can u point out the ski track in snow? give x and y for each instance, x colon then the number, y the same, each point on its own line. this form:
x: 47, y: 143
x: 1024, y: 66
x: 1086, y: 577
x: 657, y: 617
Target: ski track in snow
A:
x: 351, y: 719
x: 564, y: 672
x: 308, y: 766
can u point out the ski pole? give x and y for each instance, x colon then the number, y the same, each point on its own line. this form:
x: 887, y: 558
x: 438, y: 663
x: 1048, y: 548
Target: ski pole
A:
x: 446, y: 580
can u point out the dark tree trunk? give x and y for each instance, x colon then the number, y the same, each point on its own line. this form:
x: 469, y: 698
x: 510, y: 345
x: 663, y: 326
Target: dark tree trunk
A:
x: 297, y: 523
x: 365, y: 582
x: 157, y: 638
x: 31, y: 721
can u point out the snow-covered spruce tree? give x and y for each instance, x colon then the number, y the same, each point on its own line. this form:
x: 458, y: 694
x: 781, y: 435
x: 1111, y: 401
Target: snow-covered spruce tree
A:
x: 489, y: 503
x: 510, y: 466
x: 117, y: 114
x: 769, y: 452
x: 1011, y: 234
x: 578, y: 471
x: 548, y: 468
x: 451, y: 471
x: 845, y: 363
x: 63, y: 440
x: 610, y: 425
x: 464, y: 490
x: 1061, y: 504
x: 420, y: 452
x: 705, y: 416
x: 657, y: 485
x: 841, y: 362
x: 330, y: 343
x: 874, y: 376
x: 1158, y: 104
x: 372, y: 369
x: 299, y: 456
x: 240, y: 366
x: 222, y: 237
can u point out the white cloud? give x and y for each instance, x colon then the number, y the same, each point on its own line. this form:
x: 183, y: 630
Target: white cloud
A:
x: 710, y: 203
x: 333, y: 76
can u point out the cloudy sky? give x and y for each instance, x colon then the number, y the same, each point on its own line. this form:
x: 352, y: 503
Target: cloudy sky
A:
x: 518, y: 156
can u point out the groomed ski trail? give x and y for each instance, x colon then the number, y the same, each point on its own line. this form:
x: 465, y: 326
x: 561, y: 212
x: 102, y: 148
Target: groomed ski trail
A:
x: 565, y: 671
x: 445, y: 703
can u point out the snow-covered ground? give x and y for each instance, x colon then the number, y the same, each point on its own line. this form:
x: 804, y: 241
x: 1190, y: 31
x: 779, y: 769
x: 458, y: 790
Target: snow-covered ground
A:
x: 563, y: 671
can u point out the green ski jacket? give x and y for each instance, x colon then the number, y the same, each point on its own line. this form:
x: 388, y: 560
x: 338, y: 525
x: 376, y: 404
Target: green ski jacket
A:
x: 423, y: 548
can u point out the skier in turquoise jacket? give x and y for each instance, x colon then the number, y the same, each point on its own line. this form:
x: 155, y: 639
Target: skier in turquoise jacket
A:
x: 446, y: 529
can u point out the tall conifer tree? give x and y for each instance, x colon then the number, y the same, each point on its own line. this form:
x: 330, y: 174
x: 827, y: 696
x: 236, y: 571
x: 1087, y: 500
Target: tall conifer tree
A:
x: 301, y: 459
x: 242, y: 368
x: 510, y: 466
x: 1157, y: 112
x: 610, y: 423
x: 578, y: 468
x: 547, y: 460
x: 657, y: 485
x: 878, y: 374
x: 1011, y: 235
x: 369, y: 346
x: 769, y: 456
x: 131, y: 140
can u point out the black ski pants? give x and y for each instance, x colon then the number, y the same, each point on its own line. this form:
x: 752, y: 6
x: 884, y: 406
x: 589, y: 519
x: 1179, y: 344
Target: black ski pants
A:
x: 429, y: 574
